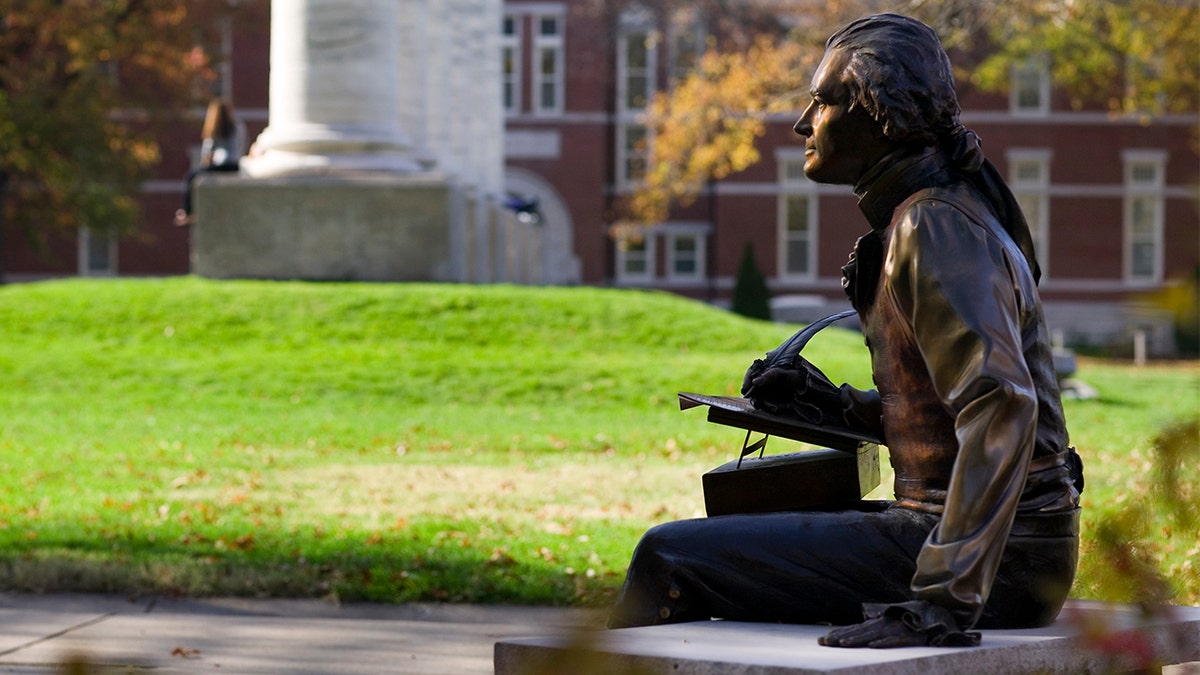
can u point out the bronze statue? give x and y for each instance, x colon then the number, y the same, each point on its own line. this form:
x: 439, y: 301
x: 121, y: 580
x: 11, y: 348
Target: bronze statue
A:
x: 984, y: 528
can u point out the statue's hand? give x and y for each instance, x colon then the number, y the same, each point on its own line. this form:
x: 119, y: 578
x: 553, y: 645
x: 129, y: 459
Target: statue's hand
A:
x: 798, y: 390
x: 879, y: 633
x: 906, y: 624
x: 781, y: 383
x: 776, y: 390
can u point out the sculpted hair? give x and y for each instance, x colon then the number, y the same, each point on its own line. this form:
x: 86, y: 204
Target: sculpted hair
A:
x: 900, y: 75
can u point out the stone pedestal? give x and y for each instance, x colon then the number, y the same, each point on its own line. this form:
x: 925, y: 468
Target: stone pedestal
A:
x: 383, y: 154
x: 354, y: 227
x: 726, y: 647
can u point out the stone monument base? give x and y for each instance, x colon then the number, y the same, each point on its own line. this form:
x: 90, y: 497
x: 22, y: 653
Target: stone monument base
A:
x: 1089, y: 637
x: 359, y: 227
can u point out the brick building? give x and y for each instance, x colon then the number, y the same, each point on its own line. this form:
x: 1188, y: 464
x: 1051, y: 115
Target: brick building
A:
x: 1113, y: 201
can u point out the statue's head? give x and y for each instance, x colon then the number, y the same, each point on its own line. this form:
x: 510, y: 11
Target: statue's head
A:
x: 884, y: 83
x: 896, y: 70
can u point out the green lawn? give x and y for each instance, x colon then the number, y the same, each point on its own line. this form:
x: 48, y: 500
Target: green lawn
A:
x: 400, y: 442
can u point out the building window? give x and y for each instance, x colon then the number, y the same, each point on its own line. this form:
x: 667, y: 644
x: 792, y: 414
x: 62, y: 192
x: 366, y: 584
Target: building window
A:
x: 797, y: 219
x: 684, y: 255
x: 636, y: 59
x: 686, y: 42
x: 1029, y: 178
x: 97, y: 254
x: 1030, y: 94
x: 1144, y: 206
x: 546, y: 25
x: 548, y: 63
x: 685, y: 251
x: 635, y: 259
x: 510, y: 57
x: 634, y: 152
x: 637, y: 54
x: 797, y: 236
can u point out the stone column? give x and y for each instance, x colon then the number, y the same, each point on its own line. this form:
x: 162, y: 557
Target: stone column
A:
x: 334, y: 90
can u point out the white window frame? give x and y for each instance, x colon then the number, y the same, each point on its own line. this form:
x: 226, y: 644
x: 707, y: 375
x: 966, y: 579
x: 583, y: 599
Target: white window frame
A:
x: 1151, y: 192
x: 687, y: 23
x: 557, y: 45
x: 512, y: 43
x: 84, y: 258
x: 626, y: 153
x: 1037, y: 188
x: 674, y: 232
x: 649, y: 250
x: 794, y: 183
x: 1037, y: 66
x: 636, y: 21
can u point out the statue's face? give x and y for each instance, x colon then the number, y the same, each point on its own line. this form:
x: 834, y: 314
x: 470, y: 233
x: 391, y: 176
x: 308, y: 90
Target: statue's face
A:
x: 841, y: 144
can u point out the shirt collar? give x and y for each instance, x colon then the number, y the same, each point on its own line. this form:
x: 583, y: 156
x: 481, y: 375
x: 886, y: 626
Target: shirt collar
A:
x: 894, y: 178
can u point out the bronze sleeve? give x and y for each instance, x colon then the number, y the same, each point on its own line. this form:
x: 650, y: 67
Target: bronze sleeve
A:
x: 955, y: 284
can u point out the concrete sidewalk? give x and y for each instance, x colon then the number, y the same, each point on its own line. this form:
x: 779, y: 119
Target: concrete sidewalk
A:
x: 41, y: 633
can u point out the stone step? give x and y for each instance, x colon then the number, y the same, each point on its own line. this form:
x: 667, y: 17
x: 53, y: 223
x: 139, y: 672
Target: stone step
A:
x: 1089, y: 637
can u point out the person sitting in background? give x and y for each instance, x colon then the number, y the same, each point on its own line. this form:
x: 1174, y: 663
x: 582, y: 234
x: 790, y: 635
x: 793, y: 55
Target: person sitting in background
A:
x: 220, y: 150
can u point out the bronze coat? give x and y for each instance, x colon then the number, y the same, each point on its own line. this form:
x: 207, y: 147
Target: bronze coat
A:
x: 962, y: 362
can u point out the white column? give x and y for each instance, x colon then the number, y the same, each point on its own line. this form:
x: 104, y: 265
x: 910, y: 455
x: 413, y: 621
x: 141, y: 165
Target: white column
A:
x: 460, y: 108
x: 334, y: 90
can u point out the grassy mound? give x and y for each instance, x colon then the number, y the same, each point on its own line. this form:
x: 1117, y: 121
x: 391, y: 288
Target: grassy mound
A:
x: 395, y: 441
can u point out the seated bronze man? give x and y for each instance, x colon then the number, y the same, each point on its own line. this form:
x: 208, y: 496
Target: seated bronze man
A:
x: 984, y: 528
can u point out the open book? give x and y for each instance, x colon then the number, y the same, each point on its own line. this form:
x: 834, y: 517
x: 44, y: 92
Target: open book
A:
x: 735, y: 411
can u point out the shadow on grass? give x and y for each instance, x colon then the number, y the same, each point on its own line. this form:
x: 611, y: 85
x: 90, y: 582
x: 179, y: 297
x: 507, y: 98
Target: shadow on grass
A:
x: 1110, y: 402
x: 343, y: 570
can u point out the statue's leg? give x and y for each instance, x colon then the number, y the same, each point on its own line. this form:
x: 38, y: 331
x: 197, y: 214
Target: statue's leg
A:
x: 1036, y: 571
x: 799, y: 567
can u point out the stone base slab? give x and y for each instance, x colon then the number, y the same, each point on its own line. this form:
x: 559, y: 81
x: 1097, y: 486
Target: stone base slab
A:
x: 365, y: 227
x: 734, y: 648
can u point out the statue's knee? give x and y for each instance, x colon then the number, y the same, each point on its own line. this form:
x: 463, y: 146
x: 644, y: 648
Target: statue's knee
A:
x: 650, y: 545
x: 676, y: 535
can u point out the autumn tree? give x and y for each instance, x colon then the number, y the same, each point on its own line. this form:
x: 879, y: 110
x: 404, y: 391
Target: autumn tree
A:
x: 706, y: 127
x: 1134, y: 57
x: 83, y: 85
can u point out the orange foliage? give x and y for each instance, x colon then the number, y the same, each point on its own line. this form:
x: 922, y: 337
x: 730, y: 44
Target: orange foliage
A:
x: 706, y: 128
x: 83, y: 86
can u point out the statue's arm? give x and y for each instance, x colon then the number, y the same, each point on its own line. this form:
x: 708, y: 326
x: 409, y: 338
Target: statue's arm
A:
x: 955, y: 283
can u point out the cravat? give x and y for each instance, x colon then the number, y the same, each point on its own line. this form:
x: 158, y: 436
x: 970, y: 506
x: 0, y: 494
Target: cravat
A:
x: 860, y: 275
